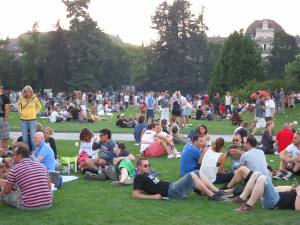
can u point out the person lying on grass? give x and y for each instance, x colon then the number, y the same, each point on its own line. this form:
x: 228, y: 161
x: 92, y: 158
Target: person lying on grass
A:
x: 125, y: 167
x: 260, y: 187
x: 148, y: 186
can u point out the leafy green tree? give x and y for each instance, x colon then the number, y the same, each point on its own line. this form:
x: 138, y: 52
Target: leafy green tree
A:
x: 284, y: 51
x: 292, y: 70
x: 239, y: 63
x: 31, y: 60
x: 9, y: 66
x: 56, y: 59
x: 177, y: 58
x: 86, y: 52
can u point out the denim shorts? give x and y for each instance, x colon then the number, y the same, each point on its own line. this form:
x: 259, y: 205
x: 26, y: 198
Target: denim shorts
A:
x: 270, y: 197
x: 150, y: 113
x: 182, y: 188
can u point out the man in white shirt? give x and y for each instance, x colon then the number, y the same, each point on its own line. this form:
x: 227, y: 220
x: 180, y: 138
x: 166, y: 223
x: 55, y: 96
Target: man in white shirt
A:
x: 228, y: 101
x: 270, y: 108
x: 290, y: 159
x: 126, y: 100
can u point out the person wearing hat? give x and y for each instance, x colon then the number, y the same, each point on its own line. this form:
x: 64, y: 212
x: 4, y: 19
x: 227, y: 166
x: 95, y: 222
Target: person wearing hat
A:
x: 4, y: 128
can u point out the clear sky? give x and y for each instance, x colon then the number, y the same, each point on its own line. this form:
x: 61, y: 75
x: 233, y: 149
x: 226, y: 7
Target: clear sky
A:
x: 131, y: 19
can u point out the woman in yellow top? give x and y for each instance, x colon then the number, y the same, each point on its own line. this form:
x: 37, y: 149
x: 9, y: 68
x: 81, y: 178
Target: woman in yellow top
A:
x: 28, y: 107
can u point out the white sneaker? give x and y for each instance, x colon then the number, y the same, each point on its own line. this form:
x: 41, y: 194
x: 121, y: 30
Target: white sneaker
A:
x: 288, y: 175
x: 171, y: 156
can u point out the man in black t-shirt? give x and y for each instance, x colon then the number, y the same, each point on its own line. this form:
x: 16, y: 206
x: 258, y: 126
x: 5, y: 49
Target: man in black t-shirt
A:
x: 4, y: 129
x: 146, y: 182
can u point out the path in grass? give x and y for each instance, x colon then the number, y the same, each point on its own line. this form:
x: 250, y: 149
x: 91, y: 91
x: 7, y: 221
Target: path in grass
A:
x: 118, y: 137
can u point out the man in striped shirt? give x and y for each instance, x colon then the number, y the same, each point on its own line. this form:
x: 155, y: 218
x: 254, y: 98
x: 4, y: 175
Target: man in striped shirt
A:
x: 28, y: 185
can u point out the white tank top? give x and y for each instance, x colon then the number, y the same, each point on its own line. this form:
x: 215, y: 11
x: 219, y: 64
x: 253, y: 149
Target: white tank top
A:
x: 209, y: 164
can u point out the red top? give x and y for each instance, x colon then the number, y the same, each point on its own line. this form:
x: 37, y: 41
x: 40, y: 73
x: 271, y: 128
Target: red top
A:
x: 284, y: 139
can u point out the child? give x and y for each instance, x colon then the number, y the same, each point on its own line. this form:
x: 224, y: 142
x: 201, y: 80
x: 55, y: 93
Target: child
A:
x: 125, y: 167
x: 85, y: 150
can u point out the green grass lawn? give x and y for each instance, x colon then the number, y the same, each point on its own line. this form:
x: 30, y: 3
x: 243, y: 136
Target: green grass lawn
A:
x: 215, y: 127
x: 94, y: 202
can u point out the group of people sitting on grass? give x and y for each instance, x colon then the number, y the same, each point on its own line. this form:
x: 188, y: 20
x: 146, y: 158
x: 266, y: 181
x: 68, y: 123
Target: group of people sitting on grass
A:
x: 202, y: 167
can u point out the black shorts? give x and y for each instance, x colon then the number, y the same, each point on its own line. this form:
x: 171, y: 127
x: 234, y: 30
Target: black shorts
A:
x: 248, y: 177
x: 224, y: 178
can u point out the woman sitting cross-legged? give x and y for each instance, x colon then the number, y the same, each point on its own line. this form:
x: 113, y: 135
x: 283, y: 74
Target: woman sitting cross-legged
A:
x: 124, y: 164
x: 85, y: 150
x: 212, y: 164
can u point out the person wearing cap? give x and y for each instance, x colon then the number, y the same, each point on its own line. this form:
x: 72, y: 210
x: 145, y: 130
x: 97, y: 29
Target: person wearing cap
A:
x: 4, y: 128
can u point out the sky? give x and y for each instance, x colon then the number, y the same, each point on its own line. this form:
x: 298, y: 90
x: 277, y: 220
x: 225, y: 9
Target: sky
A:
x: 131, y: 19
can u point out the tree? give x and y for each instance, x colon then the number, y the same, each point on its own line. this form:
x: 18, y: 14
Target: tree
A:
x: 85, y: 46
x: 239, y: 63
x: 178, y: 56
x: 56, y: 59
x: 284, y: 51
x: 292, y: 70
x: 30, y: 45
x: 9, y: 66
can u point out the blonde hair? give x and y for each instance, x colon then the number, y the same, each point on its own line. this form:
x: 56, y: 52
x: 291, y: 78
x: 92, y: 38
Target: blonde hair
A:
x: 27, y: 88
x: 49, y: 129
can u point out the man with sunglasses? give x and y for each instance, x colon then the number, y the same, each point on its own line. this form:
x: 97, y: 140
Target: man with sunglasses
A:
x: 149, y: 186
x: 235, y: 151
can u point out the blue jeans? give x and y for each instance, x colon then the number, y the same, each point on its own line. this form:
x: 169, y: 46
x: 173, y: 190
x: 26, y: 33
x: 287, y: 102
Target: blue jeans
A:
x: 235, y: 164
x: 28, y: 125
x: 270, y: 197
x: 150, y: 114
x: 183, y: 187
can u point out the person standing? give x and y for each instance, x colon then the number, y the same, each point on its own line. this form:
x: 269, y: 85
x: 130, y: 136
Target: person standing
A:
x: 228, y: 102
x: 270, y: 108
x: 150, y: 102
x: 28, y: 107
x: 164, y: 104
x: 4, y: 128
x: 260, y: 114
x: 126, y: 100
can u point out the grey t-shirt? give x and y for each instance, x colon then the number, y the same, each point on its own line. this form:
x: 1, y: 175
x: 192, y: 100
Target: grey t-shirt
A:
x: 260, y: 110
x: 255, y: 160
x: 164, y: 102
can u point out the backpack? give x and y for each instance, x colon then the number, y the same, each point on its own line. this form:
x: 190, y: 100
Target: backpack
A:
x: 56, y: 178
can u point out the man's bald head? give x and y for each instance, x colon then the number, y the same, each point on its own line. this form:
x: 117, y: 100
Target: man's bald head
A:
x: 39, y: 138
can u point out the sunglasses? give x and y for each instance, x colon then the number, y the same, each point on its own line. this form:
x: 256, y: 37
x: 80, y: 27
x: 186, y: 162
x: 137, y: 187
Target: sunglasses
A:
x: 234, y: 140
x: 147, y: 165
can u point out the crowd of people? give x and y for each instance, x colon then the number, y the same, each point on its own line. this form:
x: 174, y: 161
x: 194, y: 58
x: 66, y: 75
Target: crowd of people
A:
x: 33, y: 157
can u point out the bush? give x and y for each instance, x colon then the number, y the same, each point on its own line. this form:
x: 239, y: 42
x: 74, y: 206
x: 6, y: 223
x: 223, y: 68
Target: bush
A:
x: 269, y: 85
